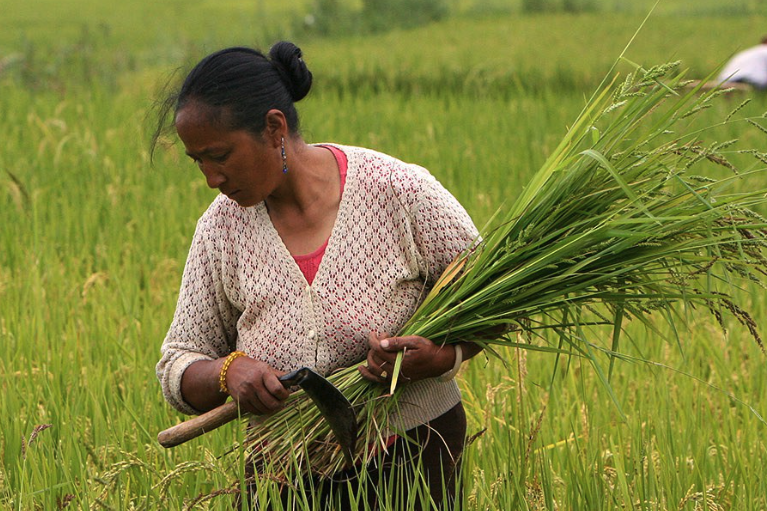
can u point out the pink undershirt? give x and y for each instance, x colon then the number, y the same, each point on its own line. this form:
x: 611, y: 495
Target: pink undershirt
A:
x: 310, y: 263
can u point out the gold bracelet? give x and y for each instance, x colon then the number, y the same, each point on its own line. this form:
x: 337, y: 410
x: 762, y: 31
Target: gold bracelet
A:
x: 224, y: 368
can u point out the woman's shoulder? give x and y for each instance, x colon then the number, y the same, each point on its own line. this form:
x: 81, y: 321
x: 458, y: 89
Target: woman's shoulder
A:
x: 383, y: 170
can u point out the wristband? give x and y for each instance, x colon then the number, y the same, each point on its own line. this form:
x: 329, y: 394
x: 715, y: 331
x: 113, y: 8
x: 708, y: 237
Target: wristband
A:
x: 224, y: 368
x: 456, y: 367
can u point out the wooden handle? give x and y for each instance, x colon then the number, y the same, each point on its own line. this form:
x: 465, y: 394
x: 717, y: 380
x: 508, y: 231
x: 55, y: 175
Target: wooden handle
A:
x: 193, y: 428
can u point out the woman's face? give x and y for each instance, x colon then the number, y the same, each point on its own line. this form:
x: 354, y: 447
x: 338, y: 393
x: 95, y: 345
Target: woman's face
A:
x: 242, y: 166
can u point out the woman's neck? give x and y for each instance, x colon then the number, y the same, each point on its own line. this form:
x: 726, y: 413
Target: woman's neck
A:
x: 304, y: 208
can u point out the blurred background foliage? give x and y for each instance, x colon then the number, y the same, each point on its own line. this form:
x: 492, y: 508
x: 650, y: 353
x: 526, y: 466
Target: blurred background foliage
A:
x: 479, y: 46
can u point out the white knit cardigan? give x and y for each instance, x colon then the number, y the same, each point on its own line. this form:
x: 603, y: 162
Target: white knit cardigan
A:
x: 397, y: 229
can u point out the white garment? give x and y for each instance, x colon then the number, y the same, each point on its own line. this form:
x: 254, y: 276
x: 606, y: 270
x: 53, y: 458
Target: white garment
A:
x: 396, y: 231
x: 748, y: 66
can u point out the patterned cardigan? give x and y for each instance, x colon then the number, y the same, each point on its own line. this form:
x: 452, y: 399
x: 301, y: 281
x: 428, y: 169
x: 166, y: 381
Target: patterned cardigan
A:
x: 396, y: 230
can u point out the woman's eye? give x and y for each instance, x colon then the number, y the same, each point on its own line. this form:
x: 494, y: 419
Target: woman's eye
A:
x: 220, y: 158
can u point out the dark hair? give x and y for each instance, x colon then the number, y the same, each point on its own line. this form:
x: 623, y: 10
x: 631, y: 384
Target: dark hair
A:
x: 241, y: 85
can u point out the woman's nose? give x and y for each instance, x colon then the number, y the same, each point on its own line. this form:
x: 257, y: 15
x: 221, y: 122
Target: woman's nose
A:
x: 213, y: 178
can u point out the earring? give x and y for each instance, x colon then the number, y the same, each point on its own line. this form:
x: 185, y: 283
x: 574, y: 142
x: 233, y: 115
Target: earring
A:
x: 284, y: 158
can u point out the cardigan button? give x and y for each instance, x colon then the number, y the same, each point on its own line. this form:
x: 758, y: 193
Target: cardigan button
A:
x: 311, y: 334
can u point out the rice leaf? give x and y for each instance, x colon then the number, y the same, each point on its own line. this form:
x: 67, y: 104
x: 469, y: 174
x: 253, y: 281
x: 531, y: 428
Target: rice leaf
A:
x: 396, y: 370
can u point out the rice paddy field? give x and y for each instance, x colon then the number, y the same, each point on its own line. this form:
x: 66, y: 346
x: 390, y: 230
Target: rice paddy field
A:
x: 94, y: 235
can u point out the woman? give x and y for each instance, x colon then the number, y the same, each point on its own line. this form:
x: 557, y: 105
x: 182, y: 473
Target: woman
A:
x: 307, y: 257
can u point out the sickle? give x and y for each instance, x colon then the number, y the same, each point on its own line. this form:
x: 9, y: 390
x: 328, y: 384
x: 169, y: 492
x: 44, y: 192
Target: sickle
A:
x: 330, y: 401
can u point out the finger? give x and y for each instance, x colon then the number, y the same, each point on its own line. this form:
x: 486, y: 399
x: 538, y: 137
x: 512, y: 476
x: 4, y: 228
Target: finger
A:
x: 368, y: 375
x: 264, y: 399
x: 410, y: 343
x: 373, y: 361
x: 380, y: 361
x: 376, y: 370
x: 375, y: 338
x: 257, y: 407
x: 365, y: 373
x: 394, y: 344
x: 275, y: 387
x: 374, y: 342
x: 376, y: 358
x: 251, y: 404
x: 267, y: 404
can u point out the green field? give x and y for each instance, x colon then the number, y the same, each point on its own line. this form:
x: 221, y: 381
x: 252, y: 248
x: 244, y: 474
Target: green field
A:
x: 93, y: 238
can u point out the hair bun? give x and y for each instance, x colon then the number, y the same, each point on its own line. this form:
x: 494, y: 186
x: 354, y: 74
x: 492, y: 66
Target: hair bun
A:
x: 286, y: 59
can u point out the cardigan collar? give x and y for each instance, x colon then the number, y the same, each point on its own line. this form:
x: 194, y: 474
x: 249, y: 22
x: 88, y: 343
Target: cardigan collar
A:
x: 343, y: 218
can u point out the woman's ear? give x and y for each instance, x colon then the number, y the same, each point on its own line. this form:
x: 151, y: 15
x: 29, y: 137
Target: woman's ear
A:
x: 276, y: 127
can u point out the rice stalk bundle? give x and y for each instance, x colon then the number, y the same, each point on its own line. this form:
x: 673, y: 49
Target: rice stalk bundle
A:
x: 616, y: 225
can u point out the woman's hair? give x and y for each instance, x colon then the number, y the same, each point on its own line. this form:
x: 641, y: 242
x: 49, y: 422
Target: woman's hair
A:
x: 240, y: 85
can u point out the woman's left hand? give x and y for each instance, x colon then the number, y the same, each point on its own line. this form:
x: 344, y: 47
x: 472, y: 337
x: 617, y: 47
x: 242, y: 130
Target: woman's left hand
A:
x: 422, y: 358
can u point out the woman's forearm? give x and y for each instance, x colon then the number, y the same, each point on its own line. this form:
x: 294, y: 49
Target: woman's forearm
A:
x: 199, y: 385
x: 469, y: 349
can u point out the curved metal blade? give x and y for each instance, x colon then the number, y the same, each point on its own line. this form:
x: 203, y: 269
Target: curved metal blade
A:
x: 332, y: 404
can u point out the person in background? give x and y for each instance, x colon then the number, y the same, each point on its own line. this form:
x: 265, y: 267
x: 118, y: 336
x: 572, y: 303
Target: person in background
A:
x: 748, y: 66
x: 310, y: 253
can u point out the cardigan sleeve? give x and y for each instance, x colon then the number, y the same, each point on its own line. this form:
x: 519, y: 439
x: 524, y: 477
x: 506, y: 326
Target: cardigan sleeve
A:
x: 442, y: 228
x: 204, y: 324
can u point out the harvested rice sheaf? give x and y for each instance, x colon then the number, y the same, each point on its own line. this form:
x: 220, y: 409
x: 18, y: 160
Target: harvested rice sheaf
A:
x: 626, y: 220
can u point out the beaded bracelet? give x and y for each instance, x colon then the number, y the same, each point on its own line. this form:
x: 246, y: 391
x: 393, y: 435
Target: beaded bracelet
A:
x: 456, y: 367
x: 224, y: 368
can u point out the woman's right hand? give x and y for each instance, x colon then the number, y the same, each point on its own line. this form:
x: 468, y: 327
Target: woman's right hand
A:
x: 255, y: 386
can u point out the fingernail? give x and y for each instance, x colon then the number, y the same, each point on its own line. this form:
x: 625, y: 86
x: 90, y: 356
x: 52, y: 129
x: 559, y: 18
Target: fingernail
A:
x: 385, y: 343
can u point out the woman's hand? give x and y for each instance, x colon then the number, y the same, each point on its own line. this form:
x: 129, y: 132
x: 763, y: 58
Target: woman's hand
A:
x: 422, y: 358
x: 255, y: 386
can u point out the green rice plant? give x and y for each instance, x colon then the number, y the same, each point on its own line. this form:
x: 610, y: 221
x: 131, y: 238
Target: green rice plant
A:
x: 93, y: 242
x: 618, y: 224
